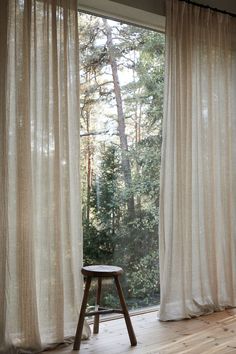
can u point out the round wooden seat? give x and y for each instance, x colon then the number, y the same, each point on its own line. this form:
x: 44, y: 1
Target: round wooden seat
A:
x: 101, y: 271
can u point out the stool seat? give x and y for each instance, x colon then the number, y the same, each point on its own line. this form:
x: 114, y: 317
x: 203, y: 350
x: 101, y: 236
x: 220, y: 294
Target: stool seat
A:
x: 97, y: 271
x: 100, y: 272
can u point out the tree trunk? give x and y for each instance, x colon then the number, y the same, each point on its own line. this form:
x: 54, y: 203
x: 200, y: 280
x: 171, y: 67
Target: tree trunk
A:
x: 87, y: 110
x: 137, y: 127
x: 88, y: 167
x: 121, y: 122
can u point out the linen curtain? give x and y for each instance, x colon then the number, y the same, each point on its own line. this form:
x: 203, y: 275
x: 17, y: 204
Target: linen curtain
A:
x: 41, y: 236
x: 198, y: 178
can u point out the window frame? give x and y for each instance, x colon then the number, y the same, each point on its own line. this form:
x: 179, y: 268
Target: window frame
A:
x: 136, y: 17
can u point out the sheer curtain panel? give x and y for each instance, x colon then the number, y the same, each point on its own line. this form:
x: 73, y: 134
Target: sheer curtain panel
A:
x: 198, y: 179
x: 41, y: 236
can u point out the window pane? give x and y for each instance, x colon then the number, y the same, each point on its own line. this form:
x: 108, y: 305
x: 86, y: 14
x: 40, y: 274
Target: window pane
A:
x: 122, y: 77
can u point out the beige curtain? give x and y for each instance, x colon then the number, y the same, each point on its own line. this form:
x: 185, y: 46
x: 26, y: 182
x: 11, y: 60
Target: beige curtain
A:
x: 198, y: 179
x: 40, y: 235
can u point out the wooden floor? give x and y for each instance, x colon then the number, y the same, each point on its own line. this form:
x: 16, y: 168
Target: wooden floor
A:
x: 215, y: 333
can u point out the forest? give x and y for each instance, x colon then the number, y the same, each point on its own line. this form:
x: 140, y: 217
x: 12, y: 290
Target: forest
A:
x: 122, y: 82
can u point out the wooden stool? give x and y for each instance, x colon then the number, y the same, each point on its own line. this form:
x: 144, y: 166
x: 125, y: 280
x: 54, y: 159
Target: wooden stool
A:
x: 102, y: 271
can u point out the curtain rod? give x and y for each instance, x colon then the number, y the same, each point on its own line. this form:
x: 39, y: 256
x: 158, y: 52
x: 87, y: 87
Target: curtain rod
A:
x: 209, y: 7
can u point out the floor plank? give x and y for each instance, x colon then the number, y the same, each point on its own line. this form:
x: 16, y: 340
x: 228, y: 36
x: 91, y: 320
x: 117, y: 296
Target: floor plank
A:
x: 211, y: 334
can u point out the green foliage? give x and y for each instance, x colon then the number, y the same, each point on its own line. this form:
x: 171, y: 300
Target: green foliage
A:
x: 147, y: 179
x: 151, y: 72
x: 105, y: 199
x: 98, y: 245
x: 99, y: 240
x: 145, y: 277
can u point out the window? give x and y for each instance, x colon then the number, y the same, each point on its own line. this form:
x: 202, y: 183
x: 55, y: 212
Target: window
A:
x: 122, y: 77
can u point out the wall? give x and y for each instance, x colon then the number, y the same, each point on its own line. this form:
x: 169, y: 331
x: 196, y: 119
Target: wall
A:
x: 158, y: 6
x: 155, y: 6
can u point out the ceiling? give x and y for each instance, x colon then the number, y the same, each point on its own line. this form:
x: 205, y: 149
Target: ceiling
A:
x: 158, y: 6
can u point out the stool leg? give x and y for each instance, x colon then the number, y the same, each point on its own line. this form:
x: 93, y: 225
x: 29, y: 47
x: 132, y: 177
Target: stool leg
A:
x: 129, y: 326
x: 96, y: 317
x: 82, y: 314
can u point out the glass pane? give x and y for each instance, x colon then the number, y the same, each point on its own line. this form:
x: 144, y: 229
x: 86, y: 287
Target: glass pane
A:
x: 122, y: 77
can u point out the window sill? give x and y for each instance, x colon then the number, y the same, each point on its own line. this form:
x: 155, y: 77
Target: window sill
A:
x: 142, y: 311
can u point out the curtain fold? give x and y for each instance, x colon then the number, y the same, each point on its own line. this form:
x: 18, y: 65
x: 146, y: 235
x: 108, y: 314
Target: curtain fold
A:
x: 40, y: 217
x: 198, y: 178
